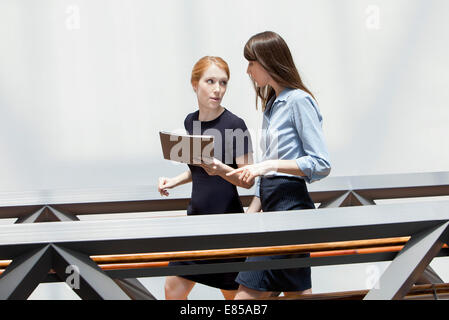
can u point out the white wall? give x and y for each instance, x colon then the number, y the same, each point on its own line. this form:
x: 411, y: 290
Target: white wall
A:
x: 85, y: 85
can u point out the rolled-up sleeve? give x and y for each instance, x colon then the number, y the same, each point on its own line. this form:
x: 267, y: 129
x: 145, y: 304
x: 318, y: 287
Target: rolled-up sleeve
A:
x: 308, y: 121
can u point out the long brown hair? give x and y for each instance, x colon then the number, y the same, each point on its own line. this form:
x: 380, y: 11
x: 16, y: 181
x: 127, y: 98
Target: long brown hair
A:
x: 271, y: 51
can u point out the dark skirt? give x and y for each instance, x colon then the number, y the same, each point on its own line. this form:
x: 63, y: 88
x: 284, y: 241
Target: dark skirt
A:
x: 225, y: 281
x: 280, y: 193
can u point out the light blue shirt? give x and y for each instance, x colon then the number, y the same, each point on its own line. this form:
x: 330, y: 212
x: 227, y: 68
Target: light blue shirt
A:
x: 292, y: 130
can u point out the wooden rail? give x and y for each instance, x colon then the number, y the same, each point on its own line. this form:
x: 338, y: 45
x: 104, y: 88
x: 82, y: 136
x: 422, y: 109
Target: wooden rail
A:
x: 147, y: 260
x: 317, y: 248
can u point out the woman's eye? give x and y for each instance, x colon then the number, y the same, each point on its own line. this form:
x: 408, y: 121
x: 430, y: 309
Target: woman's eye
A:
x: 210, y: 81
x: 223, y: 83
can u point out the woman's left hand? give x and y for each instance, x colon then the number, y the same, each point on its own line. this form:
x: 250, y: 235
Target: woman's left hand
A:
x: 212, y: 166
x: 248, y: 173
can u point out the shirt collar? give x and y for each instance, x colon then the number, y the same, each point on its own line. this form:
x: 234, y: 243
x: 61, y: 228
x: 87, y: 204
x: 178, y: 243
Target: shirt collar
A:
x: 283, y: 96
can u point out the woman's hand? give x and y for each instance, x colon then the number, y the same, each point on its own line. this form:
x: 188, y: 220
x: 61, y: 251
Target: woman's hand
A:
x: 248, y: 173
x: 212, y: 166
x: 164, y: 184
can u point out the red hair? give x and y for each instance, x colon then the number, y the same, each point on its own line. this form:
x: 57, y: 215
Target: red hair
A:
x: 203, y: 64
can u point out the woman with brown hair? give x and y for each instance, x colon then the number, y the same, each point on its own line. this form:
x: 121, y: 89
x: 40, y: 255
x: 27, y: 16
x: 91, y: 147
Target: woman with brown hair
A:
x: 293, y: 152
x: 212, y: 191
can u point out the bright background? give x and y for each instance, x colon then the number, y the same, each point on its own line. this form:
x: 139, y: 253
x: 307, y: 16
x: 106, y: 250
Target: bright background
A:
x: 85, y: 86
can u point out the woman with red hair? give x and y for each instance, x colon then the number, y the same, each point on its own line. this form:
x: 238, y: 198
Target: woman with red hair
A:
x: 212, y: 191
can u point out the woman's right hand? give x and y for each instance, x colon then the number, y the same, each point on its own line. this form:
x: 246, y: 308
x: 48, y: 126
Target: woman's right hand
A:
x: 164, y: 184
x: 249, y: 172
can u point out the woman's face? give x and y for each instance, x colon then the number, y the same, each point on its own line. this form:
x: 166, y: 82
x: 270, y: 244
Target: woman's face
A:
x: 258, y: 74
x: 211, y: 87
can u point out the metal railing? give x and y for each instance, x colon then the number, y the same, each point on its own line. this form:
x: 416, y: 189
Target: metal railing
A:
x: 347, y: 212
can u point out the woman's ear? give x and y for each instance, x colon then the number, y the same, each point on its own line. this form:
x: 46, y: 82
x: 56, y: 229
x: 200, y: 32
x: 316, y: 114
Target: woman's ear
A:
x: 195, y: 87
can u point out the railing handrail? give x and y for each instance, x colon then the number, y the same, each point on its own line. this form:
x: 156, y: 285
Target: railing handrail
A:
x: 221, y: 234
x: 227, y: 230
x: 137, y: 199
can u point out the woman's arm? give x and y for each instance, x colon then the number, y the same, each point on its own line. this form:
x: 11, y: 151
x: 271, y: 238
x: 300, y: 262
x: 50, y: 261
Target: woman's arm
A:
x: 169, y: 183
x: 248, y: 173
x: 284, y: 166
x: 216, y: 167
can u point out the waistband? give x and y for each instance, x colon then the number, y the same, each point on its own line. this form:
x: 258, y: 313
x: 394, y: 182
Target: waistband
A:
x: 282, y: 178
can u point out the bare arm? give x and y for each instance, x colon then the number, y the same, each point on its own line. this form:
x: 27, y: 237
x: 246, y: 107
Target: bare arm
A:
x: 249, y: 173
x: 241, y: 162
x: 287, y: 166
x: 169, y: 183
x: 216, y: 167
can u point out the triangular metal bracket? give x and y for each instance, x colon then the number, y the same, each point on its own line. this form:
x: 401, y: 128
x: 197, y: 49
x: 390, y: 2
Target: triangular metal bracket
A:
x: 25, y: 273
x: 134, y: 289
x: 409, y: 264
x: 90, y: 281
x: 347, y: 199
x: 47, y: 214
